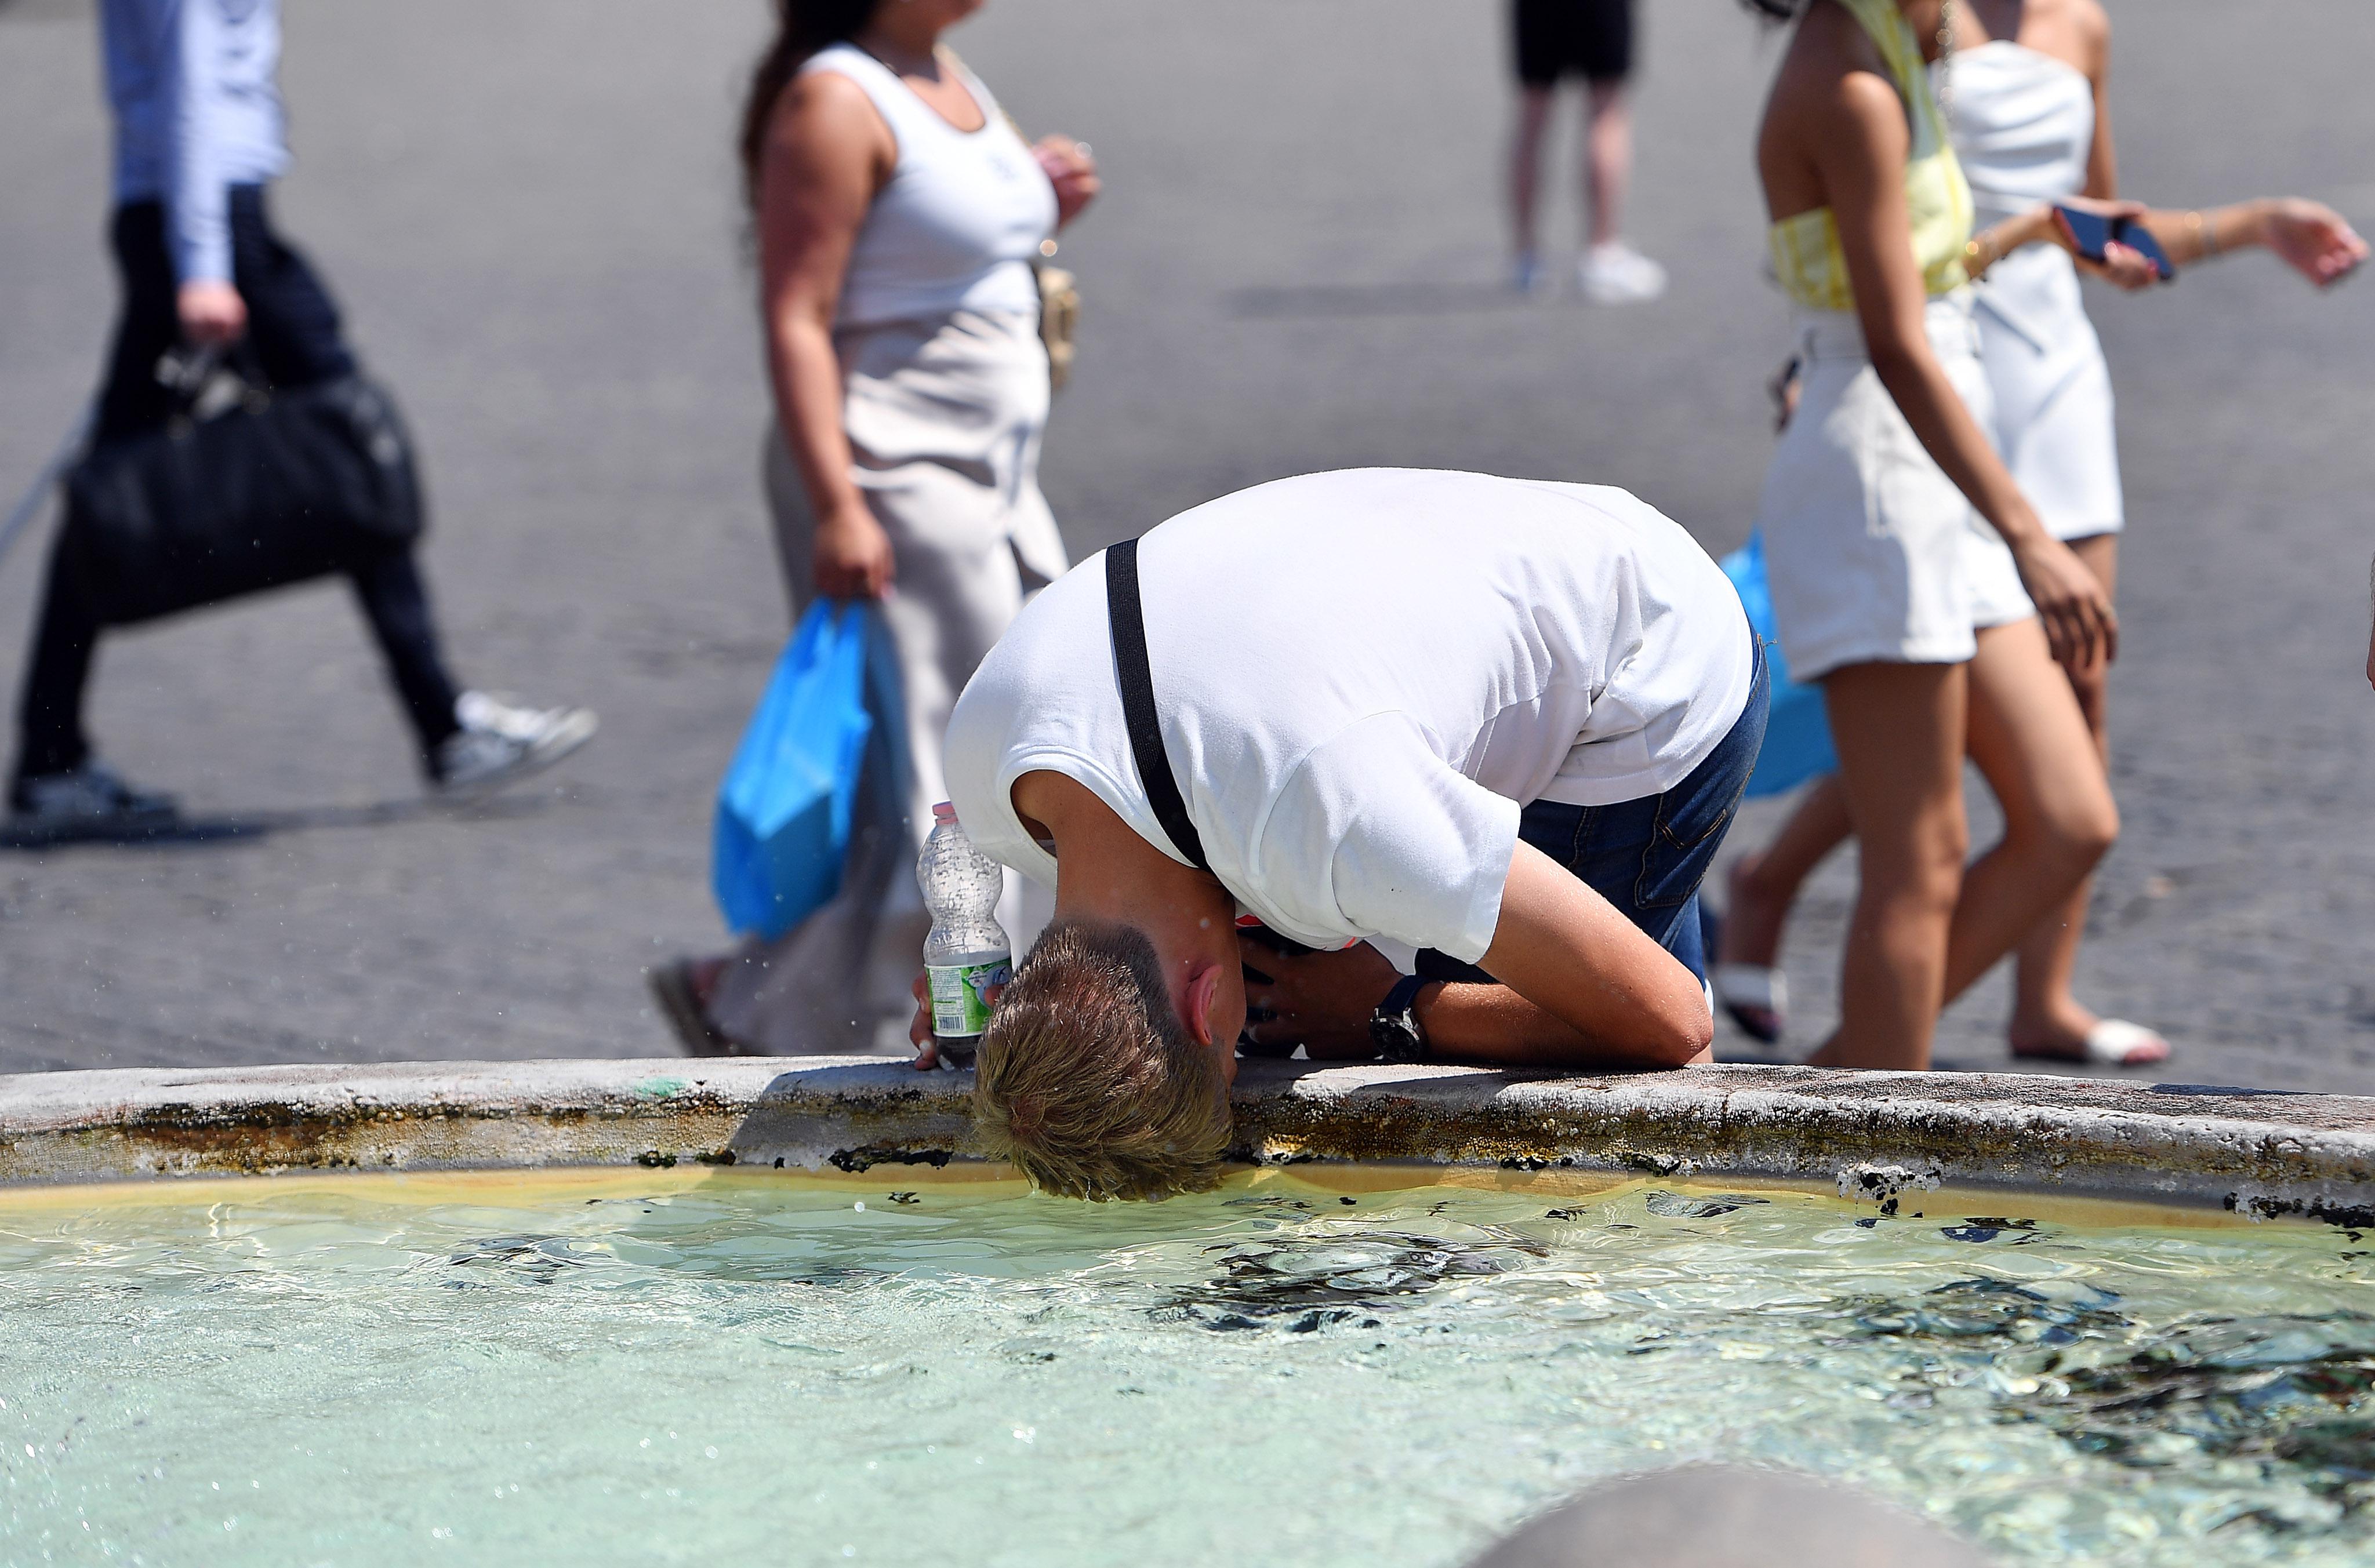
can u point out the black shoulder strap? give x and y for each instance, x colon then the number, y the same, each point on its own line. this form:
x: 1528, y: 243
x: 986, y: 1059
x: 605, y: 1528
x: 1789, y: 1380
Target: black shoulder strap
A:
x: 1137, y: 708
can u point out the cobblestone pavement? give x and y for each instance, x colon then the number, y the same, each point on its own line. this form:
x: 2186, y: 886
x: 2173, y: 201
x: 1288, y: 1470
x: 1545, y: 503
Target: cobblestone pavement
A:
x: 528, y: 212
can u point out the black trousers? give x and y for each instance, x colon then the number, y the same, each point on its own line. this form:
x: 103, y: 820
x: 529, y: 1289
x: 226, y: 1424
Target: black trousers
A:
x: 293, y: 339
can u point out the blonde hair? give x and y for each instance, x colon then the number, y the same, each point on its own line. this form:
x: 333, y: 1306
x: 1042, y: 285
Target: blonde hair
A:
x: 1087, y: 1080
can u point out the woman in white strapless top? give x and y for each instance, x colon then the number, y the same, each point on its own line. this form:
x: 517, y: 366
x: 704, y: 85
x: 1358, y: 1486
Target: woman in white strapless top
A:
x: 2024, y: 92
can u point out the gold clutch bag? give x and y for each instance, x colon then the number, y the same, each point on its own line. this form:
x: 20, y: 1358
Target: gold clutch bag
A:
x: 1059, y: 314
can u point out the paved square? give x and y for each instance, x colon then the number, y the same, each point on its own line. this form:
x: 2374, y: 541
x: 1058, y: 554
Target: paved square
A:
x: 529, y: 214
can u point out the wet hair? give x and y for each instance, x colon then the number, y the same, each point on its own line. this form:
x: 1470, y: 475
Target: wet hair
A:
x: 802, y: 27
x: 1087, y: 1080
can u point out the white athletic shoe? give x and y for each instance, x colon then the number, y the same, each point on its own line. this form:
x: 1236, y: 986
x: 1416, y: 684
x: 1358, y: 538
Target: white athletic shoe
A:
x: 1526, y: 273
x: 503, y: 741
x: 1617, y: 273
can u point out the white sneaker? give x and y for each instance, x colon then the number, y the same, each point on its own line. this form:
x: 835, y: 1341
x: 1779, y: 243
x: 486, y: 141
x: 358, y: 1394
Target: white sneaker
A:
x: 1526, y: 274
x: 502, y: 741
x: 1617, y: 273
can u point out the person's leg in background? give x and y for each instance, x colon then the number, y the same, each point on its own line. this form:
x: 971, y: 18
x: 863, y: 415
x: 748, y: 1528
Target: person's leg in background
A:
x: 1612, y: 272
x: 2048, y: 1019
x: 49, y: 738
x: 1534, y: 44
x: 134, y: 401
x: 1760, y: 888
x: 294, y: 335
x: 55, y: 783
x: 1900, y: 733
x: 2371, y: 625
x: 396, y: 603
x: 838, y: 981
x: 468, y: 742
x: 2030, y: 741
x: 1607, y: 160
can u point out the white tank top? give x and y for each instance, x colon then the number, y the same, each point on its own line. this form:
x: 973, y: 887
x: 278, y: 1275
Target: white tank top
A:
x: 2023, y: 124
x: 964, y: 212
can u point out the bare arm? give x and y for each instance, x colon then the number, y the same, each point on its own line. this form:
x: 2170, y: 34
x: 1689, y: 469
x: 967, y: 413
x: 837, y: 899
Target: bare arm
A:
x: 1583, y: 988
x: 2083, y: 43
x: 2313, y: 239
x: 1856, y: 135
x: 1072, y: 170
x: 827, y: 154
x: 1581, y: 985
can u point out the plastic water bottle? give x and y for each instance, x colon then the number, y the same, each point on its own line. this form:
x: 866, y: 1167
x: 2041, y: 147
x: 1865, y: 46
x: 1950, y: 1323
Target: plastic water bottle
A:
x: 968, y: 952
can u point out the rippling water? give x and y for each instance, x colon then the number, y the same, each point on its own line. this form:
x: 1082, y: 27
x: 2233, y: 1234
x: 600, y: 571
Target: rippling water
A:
x: 669, y: 1367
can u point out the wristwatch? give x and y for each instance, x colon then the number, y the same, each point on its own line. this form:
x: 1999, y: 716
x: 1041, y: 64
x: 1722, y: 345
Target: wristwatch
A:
x: 1394, y: 1026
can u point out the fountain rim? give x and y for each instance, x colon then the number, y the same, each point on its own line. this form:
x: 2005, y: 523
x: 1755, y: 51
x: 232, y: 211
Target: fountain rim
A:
x: 1874, y: 1135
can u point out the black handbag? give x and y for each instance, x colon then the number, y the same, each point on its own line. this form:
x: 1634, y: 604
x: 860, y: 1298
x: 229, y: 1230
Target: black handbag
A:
x: 282, y: 486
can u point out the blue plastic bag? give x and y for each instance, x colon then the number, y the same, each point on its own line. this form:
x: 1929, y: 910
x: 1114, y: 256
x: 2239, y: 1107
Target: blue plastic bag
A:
x: 1797, y: 730
x: 785, y: 807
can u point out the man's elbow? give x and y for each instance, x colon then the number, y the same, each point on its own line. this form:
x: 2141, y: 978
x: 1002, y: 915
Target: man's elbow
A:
x: 1678, y: 1032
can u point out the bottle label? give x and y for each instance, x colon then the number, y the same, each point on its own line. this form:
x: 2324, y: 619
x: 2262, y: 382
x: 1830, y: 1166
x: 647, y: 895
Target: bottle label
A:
x: 958, y: 1011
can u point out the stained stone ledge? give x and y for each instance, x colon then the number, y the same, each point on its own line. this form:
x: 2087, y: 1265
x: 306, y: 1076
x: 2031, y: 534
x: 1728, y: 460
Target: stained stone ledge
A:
x: 1875, y: 1135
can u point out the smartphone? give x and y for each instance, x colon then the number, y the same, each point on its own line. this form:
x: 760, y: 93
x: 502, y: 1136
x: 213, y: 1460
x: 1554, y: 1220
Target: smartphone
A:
x: 2136, y: 237
x: 2095, y: 234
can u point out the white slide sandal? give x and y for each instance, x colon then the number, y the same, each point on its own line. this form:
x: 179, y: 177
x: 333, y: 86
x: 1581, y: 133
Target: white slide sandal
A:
x: 2112, y: 1042
x: 1756, y: 996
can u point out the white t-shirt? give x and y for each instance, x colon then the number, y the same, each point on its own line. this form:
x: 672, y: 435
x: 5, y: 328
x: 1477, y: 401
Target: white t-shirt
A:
x: 1362, y: 677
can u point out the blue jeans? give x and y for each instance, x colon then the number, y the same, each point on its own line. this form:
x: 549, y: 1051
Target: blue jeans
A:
x: 1647, y: 856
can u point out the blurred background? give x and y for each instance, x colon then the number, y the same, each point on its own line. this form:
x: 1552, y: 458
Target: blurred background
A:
x: 528, y: 210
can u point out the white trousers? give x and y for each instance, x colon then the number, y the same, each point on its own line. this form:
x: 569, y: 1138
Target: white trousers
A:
x: 944, y: 420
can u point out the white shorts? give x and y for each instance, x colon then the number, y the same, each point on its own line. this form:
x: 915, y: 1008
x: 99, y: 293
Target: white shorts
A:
x: 1873, y: 554
x: 2052, y: 393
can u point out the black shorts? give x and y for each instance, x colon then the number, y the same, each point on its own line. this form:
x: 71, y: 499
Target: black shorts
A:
x: 1591, y: 38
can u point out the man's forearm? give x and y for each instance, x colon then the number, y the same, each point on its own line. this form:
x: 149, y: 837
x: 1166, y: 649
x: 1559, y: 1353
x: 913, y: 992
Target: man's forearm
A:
x: 197, y: 201
x: 1493, y: 1024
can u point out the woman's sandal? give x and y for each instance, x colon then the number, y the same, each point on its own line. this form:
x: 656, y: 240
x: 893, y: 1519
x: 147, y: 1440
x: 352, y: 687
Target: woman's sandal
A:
x: 678, y: 997
x: 1756, y: 996
x: 2112, y: 1042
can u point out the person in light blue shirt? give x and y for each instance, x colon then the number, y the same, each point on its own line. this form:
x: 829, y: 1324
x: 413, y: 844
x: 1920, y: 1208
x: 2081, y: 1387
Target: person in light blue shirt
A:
x: 198, y: 111
x: 198, y: 140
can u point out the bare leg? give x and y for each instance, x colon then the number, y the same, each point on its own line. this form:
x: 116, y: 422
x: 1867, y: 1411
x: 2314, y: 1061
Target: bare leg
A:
x: 1900, y: 732
x: 2029, y: 737
x: 1763, y: 883
x: 2047, y: 1019
x: 1607, y: 159
x: 1534, y: 105
x: 2371, y: 630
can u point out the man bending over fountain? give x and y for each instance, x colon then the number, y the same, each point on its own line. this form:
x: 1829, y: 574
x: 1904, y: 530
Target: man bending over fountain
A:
x: 1501, y: 722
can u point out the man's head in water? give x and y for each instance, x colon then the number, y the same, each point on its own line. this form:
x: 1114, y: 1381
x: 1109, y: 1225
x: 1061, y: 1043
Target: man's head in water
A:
x: 1088, y: 1080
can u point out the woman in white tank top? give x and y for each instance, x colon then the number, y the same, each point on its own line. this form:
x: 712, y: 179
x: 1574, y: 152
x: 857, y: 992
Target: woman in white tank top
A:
x: 898, y: 214
x: 2024, y: 92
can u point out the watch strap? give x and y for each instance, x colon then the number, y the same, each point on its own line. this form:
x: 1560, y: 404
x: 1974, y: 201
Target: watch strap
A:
x: 1397, y: 1016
